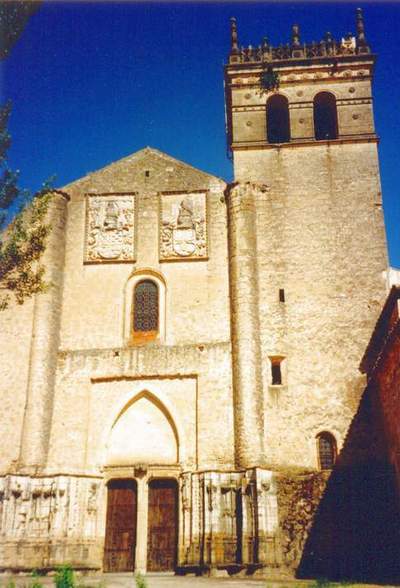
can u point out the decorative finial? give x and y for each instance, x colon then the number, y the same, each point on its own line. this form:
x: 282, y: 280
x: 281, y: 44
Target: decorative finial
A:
x: 360, y: 28
x: 295, y: 35
x: 234, y: 36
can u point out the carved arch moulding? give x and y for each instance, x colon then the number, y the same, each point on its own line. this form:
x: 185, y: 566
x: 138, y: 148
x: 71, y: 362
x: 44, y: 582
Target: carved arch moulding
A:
x: 110, y: 232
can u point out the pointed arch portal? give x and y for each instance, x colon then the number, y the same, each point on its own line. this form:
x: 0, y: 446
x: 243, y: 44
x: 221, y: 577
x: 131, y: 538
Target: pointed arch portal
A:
x: 143, y: 433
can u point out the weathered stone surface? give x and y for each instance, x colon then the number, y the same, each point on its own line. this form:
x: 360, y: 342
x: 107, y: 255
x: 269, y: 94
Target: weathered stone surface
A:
x: 284, y: 268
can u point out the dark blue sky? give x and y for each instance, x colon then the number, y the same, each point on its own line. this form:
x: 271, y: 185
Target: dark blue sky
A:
x: 94, y: 82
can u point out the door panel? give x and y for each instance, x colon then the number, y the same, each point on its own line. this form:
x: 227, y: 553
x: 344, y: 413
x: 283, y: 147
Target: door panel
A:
x: 162, y: 526
x: 120, y: 542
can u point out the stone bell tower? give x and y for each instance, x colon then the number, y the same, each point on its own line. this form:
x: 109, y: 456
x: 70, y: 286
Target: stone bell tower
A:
x: 307, y: 244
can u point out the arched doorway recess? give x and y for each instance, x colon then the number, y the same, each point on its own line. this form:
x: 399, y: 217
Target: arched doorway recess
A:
x: 142, y: 512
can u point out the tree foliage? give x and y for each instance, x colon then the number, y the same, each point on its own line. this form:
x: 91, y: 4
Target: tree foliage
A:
x: 23, y: 241
x: 14, y: 15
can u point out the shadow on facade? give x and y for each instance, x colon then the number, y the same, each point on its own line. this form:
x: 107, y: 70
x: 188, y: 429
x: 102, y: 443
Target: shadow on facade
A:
x: 355, y: 534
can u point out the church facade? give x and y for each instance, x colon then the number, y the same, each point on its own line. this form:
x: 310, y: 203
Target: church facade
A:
x: 197, y: 352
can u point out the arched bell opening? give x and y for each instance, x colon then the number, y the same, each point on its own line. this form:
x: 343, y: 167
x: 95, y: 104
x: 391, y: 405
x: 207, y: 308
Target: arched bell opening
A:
x: 278, y: 120
x: 325, y: 117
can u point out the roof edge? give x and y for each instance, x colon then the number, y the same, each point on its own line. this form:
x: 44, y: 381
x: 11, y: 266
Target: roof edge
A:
x: 137, y: 155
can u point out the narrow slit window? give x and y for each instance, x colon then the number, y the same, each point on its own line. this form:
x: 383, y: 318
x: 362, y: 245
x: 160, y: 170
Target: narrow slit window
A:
x: 326, y: 450
x: 281, y: 295
x: 276, y: 371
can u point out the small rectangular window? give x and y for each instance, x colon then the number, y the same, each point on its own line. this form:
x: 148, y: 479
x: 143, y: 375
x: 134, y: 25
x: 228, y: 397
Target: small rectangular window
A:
x: 276, y: 373
x: 281, y: 295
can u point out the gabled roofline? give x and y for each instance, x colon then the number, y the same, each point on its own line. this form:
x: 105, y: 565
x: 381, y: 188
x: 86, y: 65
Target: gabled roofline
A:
x: 141, y: 153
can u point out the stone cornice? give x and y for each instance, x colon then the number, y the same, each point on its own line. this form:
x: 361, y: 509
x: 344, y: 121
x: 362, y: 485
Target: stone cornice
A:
x: 246, y: 146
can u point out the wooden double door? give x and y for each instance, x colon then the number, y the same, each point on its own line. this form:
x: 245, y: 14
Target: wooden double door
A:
x: 121, y: 523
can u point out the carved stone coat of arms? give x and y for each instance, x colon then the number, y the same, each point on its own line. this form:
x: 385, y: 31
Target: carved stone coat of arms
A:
x: 110, y: 228
x: 183, y: 226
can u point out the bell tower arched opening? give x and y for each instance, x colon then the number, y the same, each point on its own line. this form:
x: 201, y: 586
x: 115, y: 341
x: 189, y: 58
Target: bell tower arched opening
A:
x: 278, y: 122
x: 325, y: 117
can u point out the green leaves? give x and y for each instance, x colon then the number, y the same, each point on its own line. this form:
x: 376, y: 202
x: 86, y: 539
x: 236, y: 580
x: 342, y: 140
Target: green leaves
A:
x: 24, y: 240
x: 8, y: 188
x: 140, y: 580
x: 64, y: 577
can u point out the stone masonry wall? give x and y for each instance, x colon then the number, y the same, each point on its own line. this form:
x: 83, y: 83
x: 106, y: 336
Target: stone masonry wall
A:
x: 185, y: 373
x: 30, y: 336
x: 16, y: 332
x: 321, y: 239
x: 96, y: 314
x: 194, y: 381
x: 196, y: 290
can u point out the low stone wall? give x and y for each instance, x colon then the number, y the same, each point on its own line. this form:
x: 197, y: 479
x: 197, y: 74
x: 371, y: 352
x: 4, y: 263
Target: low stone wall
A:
x: 47, y: 521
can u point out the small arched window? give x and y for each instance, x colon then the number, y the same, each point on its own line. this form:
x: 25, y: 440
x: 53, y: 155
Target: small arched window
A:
x: 325, y: 117
x: 326, y: 444
x: 145, y: 311
x: 278, y: 124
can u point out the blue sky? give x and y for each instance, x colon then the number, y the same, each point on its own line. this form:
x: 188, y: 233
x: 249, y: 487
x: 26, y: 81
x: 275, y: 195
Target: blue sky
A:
x: 93, y: 82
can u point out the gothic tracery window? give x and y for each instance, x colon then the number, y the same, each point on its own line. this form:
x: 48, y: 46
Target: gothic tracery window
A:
x: 326, y: 450
x: 145, y: 309
x: 325, y: 116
